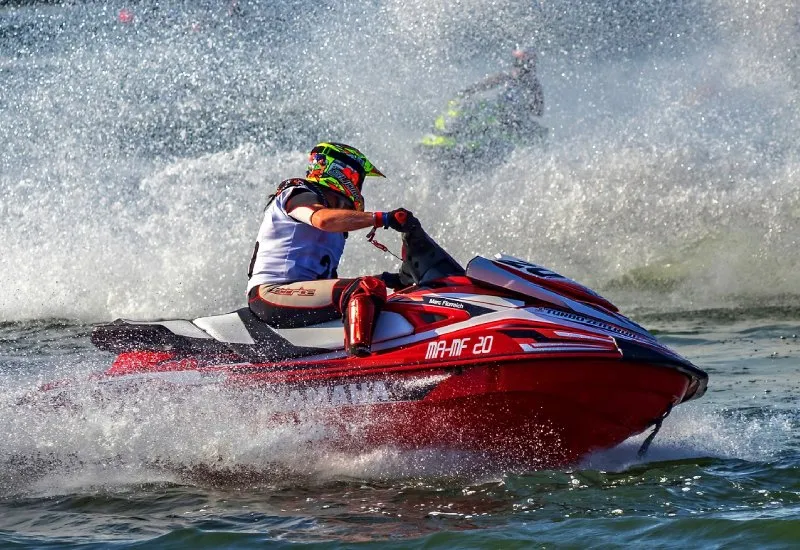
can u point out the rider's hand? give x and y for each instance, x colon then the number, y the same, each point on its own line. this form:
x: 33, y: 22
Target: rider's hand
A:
x: 402, y: 220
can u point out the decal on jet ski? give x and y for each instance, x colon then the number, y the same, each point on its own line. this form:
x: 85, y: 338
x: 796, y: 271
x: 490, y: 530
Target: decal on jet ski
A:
x: 591, y: 322
x: 445, y: 303
x: 361, y: 393
x: 472, y: 309
x: 454, y: 348
x: 533, y: 269
x: 338, y: 395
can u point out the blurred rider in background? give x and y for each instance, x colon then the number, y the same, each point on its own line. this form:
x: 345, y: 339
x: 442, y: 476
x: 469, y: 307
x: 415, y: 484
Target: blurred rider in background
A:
x: 489, y: 118
x: 293, y: 278
x: 520, y: 94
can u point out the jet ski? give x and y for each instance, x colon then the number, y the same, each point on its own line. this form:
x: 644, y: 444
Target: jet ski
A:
x: 475, y: 133
x: 503, y: 359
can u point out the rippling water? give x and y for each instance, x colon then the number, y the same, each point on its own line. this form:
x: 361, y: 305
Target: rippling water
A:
x: 724, y: 470
x: 137, y: 152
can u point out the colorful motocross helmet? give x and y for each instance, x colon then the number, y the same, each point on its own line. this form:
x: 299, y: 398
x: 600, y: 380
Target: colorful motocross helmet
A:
x: 342, y: 169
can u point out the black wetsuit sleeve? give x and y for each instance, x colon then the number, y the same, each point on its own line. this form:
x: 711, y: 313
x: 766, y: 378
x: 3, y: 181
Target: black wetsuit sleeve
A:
x: 303, y: 197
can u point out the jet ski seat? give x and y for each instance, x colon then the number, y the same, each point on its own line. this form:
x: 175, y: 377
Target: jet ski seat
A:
x: 239, y: 332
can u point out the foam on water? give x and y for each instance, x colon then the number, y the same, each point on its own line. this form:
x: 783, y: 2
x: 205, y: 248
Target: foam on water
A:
x: 55, y: 440
x: 694, y: 431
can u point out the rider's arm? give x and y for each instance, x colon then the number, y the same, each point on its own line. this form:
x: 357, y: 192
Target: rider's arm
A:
x: 487, y: 84
x: 305, y: 207
x: 338, y: 220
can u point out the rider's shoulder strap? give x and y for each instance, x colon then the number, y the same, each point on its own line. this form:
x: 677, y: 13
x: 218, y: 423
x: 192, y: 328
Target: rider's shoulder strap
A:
x: 298, y: 182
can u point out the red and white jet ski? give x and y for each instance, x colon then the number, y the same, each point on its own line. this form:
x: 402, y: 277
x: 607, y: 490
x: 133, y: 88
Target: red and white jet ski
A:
x: 504, y: 358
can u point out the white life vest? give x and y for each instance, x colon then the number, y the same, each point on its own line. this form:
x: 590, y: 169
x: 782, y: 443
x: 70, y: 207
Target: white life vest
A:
x: 288, y: 250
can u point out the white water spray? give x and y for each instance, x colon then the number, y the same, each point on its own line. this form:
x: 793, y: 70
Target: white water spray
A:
x: 139, y: 155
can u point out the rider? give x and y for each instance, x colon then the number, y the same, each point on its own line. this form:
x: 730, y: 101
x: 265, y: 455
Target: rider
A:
x: 520, y: 90
x: 293, y: 280
x: 513, y: 108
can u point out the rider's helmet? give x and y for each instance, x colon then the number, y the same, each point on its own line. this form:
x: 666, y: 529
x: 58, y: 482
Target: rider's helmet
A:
x: 524, y: 59
x: 342, y: 169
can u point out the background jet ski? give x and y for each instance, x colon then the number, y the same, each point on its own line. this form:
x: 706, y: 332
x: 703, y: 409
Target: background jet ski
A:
x: 477, y: 133
x: 490, y: 119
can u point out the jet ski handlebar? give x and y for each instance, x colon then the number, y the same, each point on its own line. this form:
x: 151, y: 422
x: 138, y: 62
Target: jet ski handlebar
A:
x: 424, y: 260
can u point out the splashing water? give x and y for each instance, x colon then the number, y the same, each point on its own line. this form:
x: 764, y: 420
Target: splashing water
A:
x: 140, y: 154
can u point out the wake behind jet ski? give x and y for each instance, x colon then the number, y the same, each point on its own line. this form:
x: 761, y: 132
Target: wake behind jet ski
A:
x: 503, y: 358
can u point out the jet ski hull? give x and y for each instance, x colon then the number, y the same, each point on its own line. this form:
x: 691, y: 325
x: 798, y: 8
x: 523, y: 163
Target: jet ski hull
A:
x: 541, y: 412
x: 535, y: 416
